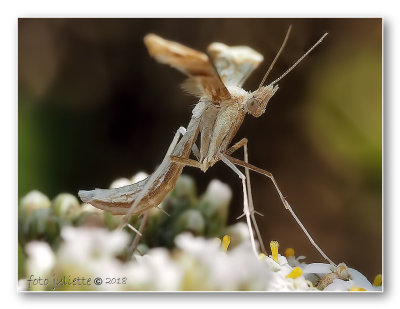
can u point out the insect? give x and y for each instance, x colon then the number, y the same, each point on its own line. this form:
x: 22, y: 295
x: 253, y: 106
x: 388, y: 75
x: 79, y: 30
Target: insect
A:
x: 216, y: 78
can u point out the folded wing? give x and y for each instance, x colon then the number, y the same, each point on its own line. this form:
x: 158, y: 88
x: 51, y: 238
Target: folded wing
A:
x: 203, y: 79
x: 234, y: 64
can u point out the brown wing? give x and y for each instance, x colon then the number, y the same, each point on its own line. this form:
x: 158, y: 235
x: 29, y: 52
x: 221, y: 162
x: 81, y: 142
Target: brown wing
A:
x: 203, y: 79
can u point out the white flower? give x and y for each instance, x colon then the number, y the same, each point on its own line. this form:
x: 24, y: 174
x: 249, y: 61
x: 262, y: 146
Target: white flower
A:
x: 32, y: 201
x: 66, y: 205
x: 361, y: 281
x: 237, y: 269
x: 218, y: 192
x: 355, y: 277
x: 82, y: 245
x: 40, y: 260
x: 317, y: 268
x: 154, y: 271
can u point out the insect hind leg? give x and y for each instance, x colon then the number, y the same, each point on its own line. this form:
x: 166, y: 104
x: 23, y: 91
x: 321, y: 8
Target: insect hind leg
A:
x: 245, y: 199
x: 243, y: 143
x: 285, y: 203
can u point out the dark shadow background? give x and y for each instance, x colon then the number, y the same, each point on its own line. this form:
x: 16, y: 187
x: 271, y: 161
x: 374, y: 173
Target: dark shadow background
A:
x: 93, y: 107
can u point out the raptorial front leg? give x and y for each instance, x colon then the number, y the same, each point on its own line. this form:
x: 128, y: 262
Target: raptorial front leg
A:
x: 285, y: 203
x: 146, y: 189
x: 150, y: 182
x: 246, y: 209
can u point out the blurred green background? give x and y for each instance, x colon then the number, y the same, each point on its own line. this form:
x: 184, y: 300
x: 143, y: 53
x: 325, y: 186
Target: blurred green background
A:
x: 93, y: 107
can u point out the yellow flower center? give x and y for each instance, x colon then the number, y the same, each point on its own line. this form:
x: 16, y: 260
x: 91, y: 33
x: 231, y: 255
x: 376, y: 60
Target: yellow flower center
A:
x: 357, y: 289
x: 274, y: 249
x: 289, y: 252
x: 295, y: 273
x: 378, y: 280
x: 226, y: 240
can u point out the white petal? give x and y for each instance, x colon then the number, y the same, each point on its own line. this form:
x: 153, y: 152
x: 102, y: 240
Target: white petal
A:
x: 339, y: 285
x: 317, y: 268
x: 360, y: 280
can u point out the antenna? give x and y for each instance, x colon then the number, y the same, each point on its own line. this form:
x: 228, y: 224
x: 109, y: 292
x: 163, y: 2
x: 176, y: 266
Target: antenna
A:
x: 276, y: 57
x: 298, y: 61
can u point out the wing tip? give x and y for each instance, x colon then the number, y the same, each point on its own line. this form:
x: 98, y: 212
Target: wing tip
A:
x: 150, y: 37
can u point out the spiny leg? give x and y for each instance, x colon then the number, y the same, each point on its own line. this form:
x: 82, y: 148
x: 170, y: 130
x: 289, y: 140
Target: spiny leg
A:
x: 243, y: 143
x: 245, y: 197
x: 285, y: 203
x: 147, y: 187
x: 251, y: 205
x: 152, y: 178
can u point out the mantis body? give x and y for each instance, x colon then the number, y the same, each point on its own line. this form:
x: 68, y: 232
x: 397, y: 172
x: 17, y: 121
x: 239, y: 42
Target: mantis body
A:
x: 217, y: 79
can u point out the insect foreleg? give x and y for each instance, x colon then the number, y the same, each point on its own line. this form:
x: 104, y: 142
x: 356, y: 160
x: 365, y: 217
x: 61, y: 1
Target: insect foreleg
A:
x: 245, y: 197
x: 146, y: 189
x: 286, y: 204
x: 181, y: 131
x: 149, y: 183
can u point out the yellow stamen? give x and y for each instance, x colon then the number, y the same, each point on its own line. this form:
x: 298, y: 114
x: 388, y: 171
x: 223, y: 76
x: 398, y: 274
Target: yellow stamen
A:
x: 295, y: 273
x: 261, y: 256
x: 289, y: 252
x: 378, y: 280
x: 357, y: 289
x: 226, y: 240
x: 274, y: 249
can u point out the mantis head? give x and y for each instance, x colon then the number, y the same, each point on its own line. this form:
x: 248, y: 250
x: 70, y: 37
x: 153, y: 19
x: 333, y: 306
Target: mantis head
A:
x: 258, y: 99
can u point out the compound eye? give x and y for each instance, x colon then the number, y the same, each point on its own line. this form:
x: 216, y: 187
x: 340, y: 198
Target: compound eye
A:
x: 252, y: 106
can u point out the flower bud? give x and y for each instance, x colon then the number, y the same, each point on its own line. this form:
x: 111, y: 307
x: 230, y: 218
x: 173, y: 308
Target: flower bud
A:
x: 190, y: 220
x: 32, y: 201
x: 66, y: 206
x: 185, y: 187
x: 214, y: 206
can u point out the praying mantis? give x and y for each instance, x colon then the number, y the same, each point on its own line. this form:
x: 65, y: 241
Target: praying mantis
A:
x: 216, y: 78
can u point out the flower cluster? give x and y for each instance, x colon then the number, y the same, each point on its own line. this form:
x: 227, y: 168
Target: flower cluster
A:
x: 64, y: 245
